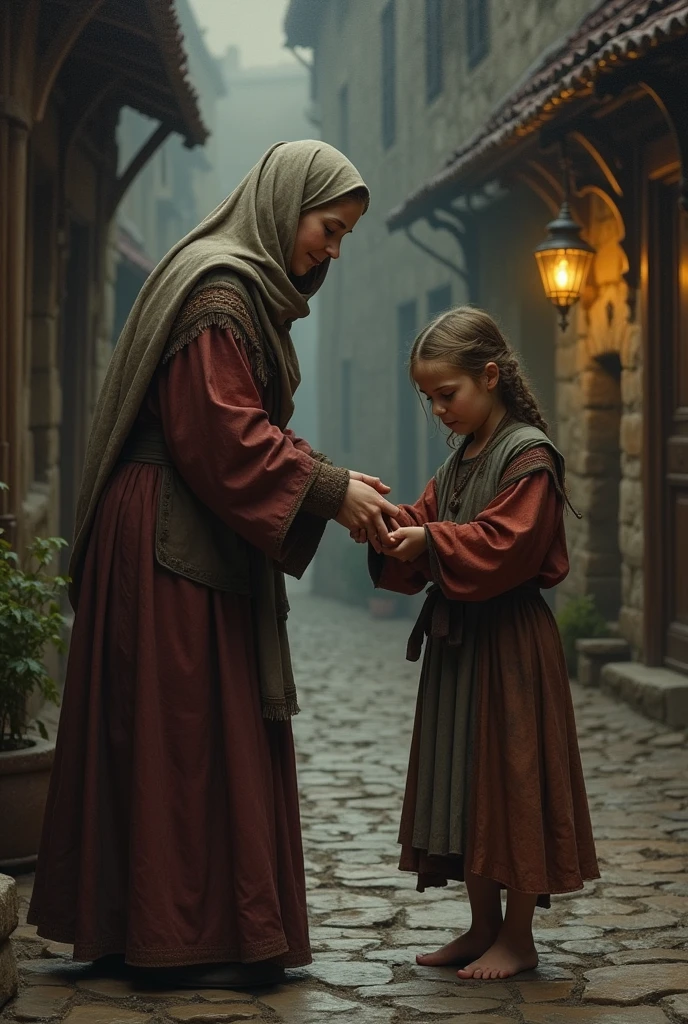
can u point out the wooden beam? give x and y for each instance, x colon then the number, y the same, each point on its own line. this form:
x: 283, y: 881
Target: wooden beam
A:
x: 594, y: 148
x: 58, y: 51
x: 137, y: 163
x: 540, y: 191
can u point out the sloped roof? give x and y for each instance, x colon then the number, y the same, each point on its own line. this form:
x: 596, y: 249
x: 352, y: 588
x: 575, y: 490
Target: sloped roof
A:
x: 301, y: 22
x: 615, y: 33
x: 138, y: 46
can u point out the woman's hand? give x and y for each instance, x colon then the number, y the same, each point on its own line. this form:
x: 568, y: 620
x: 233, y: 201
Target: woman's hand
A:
x: 407, y: 543
x: 363, y: 509
x: 361, y: 537
x: 372, y: 481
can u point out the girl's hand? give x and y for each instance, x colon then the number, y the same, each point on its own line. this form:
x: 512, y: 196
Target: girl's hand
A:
x: 408, y: 543
x: 372, y: 481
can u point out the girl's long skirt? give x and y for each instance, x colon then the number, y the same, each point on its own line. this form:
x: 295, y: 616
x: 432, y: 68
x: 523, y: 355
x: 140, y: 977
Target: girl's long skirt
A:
x: 495, y: 784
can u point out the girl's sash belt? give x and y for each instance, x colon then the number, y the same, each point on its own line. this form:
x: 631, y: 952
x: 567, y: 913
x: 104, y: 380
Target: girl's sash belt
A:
x: 443, y: 619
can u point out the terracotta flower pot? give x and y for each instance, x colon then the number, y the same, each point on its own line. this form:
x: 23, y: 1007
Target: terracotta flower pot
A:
x: 24, y: 777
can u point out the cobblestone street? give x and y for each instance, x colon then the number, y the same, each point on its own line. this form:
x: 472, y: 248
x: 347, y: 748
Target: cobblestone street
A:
x: 614, y: 954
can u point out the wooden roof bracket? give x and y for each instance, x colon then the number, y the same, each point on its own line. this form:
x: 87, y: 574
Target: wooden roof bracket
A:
x: 137, y: 163
x: 670, y: 93
x: 461, y: 226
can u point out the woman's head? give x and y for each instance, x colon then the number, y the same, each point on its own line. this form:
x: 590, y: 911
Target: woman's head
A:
x: 464, y: 365
x: 320, y: 230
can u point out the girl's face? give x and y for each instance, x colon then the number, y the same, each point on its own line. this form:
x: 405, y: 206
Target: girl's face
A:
x: 461, y: 402
x: 320, y: 233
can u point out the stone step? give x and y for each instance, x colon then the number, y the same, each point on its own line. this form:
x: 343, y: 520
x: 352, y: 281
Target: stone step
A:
x: 594, y: 654
x: 658, y: 693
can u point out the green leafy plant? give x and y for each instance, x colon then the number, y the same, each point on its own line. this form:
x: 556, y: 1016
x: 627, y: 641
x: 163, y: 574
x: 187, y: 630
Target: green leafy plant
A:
x: 579, y: 619
x: 30, y: 620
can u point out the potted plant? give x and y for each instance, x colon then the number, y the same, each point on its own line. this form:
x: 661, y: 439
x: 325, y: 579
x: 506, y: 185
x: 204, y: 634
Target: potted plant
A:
x: 579, y: 619
x: 30, y: 621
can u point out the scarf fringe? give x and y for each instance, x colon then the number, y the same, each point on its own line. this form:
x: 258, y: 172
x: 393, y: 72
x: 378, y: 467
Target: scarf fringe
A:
x: 253, y: 348
x: 281, y: 711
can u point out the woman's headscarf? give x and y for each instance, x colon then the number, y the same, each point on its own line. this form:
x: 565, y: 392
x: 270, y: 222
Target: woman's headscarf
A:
x: 251, y: 234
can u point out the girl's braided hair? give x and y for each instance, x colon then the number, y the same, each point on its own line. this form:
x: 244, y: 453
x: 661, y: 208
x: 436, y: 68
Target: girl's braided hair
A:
x: 469, y: 339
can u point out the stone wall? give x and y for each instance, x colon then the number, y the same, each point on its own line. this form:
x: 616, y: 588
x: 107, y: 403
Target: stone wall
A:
x: 599, y: 389
x: 379, y: 272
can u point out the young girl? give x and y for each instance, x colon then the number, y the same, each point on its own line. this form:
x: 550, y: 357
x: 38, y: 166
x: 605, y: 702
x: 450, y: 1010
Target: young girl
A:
x: 495, y: 793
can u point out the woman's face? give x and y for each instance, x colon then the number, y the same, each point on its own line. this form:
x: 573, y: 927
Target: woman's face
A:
x: 320, y: 233
x: 461, y: 402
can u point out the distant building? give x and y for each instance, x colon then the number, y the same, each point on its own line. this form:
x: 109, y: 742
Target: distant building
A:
x: 263, y: 106
x: 456, y: 114
x: 398, y: 84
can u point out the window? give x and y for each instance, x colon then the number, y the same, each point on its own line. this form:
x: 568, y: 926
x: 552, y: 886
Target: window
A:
x: 433, y: 49
x: 389, y: 75
x: 477, y: 30
x: 344, y: 119
x: 346, y: 398
x: 407, y: 407
x: 437, y: 451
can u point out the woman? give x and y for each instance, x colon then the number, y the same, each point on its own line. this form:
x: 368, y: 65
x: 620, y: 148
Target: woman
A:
x: 172, y: 832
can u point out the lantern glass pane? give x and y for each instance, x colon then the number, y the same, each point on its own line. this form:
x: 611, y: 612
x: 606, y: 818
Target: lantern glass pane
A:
x: 563, y: 273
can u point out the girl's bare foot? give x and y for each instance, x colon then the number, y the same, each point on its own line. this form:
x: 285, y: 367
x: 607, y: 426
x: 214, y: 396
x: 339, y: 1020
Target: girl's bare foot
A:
x: 501, y: 960
x: 459, y: 952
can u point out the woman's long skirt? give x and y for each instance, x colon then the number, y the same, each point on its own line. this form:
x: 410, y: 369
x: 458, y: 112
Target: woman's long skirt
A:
x: 172, y: 830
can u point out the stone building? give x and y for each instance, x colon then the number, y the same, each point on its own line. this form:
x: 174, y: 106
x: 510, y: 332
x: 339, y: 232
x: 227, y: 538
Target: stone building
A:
x: 66, y: 71
x: 607, y: 82
x: 397, y: 84
x: 263, y: 105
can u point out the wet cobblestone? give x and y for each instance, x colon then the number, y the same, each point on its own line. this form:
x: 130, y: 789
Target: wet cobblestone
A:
x: 616, y: 953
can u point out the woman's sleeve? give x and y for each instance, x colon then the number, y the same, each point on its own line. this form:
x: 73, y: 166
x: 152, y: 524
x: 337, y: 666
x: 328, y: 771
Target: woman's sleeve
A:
x: 249, y: 472
x: 505, y: 545
x: 406, y: 577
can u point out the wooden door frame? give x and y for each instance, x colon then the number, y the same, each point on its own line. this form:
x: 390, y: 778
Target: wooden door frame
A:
x: 661, y: 166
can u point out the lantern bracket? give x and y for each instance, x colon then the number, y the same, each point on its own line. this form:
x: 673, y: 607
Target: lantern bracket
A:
x: 612, y: 176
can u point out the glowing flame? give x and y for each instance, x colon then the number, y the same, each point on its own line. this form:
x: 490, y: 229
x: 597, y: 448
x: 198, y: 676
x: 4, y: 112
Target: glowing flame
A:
x: 562, y: 275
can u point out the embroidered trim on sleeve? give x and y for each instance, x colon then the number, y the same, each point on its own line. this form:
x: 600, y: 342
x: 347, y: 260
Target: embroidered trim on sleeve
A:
x: 532, y: 461
x: 326, y: 494
x: 319, y: 457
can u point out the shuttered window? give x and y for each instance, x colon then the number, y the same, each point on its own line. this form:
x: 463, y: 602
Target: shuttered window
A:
x: 477, y: 30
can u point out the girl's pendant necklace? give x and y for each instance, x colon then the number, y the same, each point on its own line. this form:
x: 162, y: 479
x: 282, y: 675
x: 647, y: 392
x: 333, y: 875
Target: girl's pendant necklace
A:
x: 478, y: 463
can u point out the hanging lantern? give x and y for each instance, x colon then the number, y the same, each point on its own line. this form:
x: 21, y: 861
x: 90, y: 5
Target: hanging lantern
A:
x: 564, y: 258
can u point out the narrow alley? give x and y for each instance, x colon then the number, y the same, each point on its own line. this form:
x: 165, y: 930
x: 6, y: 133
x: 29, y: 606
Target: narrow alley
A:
x: 614, y: 954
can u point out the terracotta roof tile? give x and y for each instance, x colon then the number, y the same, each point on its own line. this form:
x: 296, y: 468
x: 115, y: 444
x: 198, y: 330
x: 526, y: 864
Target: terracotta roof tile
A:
x: 616, y: 32
x: 169, y: 34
